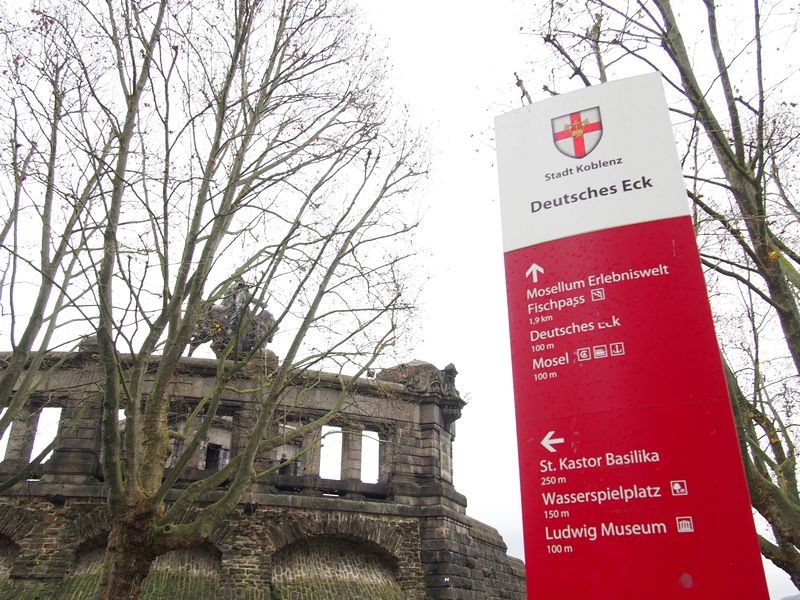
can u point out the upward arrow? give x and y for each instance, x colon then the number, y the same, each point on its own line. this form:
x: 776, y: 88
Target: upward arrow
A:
x: 533, y: 272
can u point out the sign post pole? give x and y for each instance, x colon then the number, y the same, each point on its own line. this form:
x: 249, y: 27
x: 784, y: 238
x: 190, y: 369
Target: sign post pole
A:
x: 632, y: 481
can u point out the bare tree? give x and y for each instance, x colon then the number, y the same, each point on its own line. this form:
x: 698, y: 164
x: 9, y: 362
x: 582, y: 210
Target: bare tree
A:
x: 161, y: 156
x: 730, y: 85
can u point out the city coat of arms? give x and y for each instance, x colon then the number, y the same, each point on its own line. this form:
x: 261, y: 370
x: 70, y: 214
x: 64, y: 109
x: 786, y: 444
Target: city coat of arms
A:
x: 577, y: 134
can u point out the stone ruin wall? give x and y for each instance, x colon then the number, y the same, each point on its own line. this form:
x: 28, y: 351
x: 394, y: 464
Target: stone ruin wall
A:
x: 296, y: 535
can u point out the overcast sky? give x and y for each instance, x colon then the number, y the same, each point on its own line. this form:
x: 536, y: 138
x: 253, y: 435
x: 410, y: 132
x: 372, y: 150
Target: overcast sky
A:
x: 454, y: 65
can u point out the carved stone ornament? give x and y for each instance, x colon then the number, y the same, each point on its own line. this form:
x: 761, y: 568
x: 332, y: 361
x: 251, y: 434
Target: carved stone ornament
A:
x: 423, y: 378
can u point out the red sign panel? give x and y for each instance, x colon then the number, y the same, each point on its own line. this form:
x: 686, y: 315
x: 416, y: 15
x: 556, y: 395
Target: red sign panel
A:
x: 632, y: 482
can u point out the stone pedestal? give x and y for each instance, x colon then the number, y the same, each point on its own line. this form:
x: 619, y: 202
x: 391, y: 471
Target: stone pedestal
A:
x: 311, y: 460
x: 22, y: 434
x: 351, y: 453
x: 76, y: 458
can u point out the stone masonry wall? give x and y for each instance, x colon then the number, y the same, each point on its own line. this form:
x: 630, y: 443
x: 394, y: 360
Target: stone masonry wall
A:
x: 466, y: 559
x: 292, y: 550
x: 295, y: 535
x: 372, y: 556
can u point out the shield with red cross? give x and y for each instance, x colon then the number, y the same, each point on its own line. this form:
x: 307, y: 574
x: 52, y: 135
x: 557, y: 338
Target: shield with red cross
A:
x: 577, y: 134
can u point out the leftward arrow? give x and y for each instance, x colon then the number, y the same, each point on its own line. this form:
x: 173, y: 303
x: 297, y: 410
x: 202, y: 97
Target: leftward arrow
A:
x: 549, y: 440
x: 533, y: 272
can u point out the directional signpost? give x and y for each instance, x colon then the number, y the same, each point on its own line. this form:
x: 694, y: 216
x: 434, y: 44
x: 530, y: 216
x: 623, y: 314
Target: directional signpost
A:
x: 632, y: 482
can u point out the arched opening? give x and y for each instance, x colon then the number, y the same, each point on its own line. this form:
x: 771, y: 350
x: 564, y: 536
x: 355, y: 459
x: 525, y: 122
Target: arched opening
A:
x: 82, y: 578
x: 8, y: 553
x: 331, y: 568
x: 194, y: 572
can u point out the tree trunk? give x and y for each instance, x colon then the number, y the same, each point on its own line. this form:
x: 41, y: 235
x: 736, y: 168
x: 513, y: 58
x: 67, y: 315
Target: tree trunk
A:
x: 129, y: 554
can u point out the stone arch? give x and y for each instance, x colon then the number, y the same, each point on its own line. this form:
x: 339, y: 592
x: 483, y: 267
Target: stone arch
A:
x: 195, y: 571
x: 203, y: 559
x: 88, y: 547
x: 90, y: 528
x: 88, y: 556
x: 88, y: 535
x: 218, y: 535
x: 393, y: 543
x: 15, y: 525
x: 9, y: 550
x: 15, y: 522
x: 386, y: 537
x: 330, y: 568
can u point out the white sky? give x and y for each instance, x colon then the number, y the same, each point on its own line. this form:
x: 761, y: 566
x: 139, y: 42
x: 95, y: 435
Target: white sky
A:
x: 454, y: 65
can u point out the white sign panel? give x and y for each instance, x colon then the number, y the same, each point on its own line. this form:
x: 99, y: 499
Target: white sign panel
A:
x: 574, y: 164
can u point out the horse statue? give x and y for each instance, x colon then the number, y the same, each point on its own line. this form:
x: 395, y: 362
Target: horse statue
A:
x: 221, y: 323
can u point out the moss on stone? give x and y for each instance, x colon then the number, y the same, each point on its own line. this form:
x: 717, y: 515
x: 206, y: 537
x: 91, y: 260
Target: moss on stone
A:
x: 159, y: 586
x: 327, y: 589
